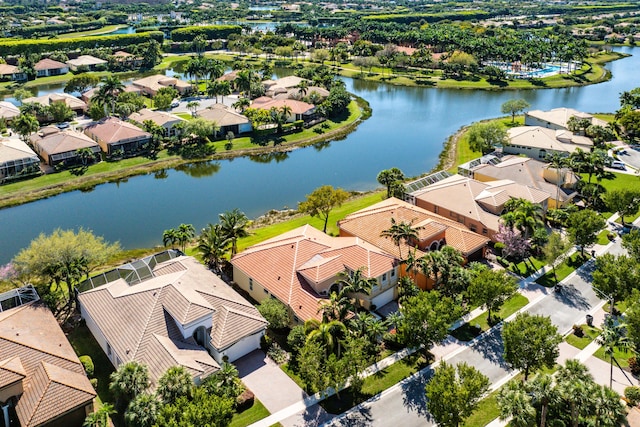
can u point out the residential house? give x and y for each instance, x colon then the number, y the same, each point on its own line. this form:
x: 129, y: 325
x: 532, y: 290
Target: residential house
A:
x: 299, y: 110
x: 169, y: 310
x: 227, y: 119
x: 557, y: 118
x: 8, y: 111
x: 86, y: 61
x: 150, y: 85
x: 77, y: 105
x: 114, y: 135
x: 298, y: 94
x: 230, y: 76
x: 166, y: 120
x: 559, y: 184
x: 434, y: 231
x: 127, y: 59
x: 42, y: 382
x: 11, y: 72
x: 476, y: 204
x: 282, y: 85
x: 17, y: 159
x: 301, y: 269
x: 538, y: 142
x: 88, y: 94
x: 56, y: 146
x: 49, y: 67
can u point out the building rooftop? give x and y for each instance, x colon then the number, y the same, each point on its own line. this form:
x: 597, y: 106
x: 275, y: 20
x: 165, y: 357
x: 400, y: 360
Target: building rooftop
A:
x: 113, y: 130
x: 48, y: 64
x: 52, y: 140
x: 158, y: 117
x: 222, y: 115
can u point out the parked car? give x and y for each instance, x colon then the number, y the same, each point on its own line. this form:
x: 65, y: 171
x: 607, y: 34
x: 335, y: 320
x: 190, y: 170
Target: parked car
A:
x: 175, y: 103
x: 63, y: 125
x: 617, y: 164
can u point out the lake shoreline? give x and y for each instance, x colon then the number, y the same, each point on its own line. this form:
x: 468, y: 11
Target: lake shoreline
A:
x: 91, y: 181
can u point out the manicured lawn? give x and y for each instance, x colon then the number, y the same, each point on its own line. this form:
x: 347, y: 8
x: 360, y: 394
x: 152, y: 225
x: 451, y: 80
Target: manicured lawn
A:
x: 486, y: 412
x: 563, y: 270
x: 250, y: 416
x: 375, y: 384
x: 83, y: 343
x: 480, y: 324
x: 621, y: 356
x: 99, y: 31
x: 523, y: 268
x: 352, y: 205
x: 590, y: 334
x: 186, y: 116
x: 602, y: 237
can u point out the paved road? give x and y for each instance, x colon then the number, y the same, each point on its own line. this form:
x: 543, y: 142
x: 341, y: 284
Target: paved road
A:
x: 404, y: 404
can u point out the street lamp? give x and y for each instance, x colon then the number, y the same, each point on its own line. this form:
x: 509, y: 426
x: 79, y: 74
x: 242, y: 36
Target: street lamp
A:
x: 606, y: 296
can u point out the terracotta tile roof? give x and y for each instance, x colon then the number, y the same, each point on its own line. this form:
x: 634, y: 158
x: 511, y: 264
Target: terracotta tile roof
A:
x: 11, y: 371
x: 159, y: 81
x: 222, y: 115
x: 530, y: 172
x: 14, y: 149
x: 46, y: 100
x: 8, y: 110
x: 32, y: 344
x: 113, y: 131
x: 51, y: 140
x: 290, y: 265
x: 140, y: 321
x: 48, y: 64
x: 160, y: 118
x: 297, y: 107
x: 370, y: 222
x: 6, y: 69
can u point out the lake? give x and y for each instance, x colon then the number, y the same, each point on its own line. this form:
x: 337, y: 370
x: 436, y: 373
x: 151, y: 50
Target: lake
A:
x: 407, y: 130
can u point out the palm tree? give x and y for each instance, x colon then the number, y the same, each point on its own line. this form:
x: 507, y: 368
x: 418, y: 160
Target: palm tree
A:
x: 108, y: 93
x: 573, y: 379
x: 193, y: 107
x: 515, y: 403
x: 185, y: 233
x: 558, y: 162
x: 84, y: 154
x: 355, y: 282
x: 523, y: 215
x: 241, y: 104
x: 613, y: 338
x: 336, y: 308
x: 376, y: 330
x: 302, y: 88
x: 99, y: 418
x: 173, y: 384
x: 213, y: 89
x: 329, y: 334
x: 244, y: 81
x: 224, y: 89
x: 128, y: 381
x: 234, y: 226
x: 607, y: 407
x: 394, y: 319
x: 142, y: 411
x: 25, y: 124
x: 400, y: 232
x: 213, y: 244
x: 542, y: 393
x: 359, y: 324
x: 170, y: 237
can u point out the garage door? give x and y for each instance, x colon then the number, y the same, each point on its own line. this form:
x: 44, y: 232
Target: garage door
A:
x: 383, y: 298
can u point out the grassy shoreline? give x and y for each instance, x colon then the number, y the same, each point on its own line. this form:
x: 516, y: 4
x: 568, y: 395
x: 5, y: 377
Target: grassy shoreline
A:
x: 45, y: 186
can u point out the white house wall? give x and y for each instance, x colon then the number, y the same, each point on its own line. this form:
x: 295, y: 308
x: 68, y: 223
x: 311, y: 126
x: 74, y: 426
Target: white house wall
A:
x: 239, y: 349
x: 98, y: 335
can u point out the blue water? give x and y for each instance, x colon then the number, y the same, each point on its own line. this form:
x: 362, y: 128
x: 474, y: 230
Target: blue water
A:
x: 407, y: 130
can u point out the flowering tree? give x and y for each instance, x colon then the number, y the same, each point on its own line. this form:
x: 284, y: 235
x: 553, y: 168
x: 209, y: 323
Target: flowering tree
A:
x: 515, y: 245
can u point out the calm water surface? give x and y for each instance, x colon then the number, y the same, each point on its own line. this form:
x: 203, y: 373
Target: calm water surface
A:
x: 407, y: 130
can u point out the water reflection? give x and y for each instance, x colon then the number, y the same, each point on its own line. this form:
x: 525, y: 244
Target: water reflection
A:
x: 276, y: 156
x: 200, y: 169
x: 161, y: 174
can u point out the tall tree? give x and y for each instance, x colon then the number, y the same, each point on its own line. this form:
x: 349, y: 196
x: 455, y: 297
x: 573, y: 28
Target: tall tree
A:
x: 25, y: 125
x: 355, y: 282
x: 321, y: 202
x: 142, y: 411
x: 204, y: 409
x: 185, y: 232
x: 543, y: 394
x: 631, y: 242
x: 426, y: 319
x: 613, y: 337
x: 234, y: 226
x: 524, y: 215
x: 615, y: 277
x: 328, y: 334
x: 555, y: 251
x: 275, y: 312
x: 108, y: 92
x: 390, y: 177
x: 484, y: 137
x: 491, y: 288
x: 513, y: 107
x: 625, y: 201
x: 213, y: 245
x: 530, y: 342
x: 515, y: 404
x: 100, y: 417
x: 583, y: 227
x: 401, y: 232
x: 574, y: 389
x: 453, y: 393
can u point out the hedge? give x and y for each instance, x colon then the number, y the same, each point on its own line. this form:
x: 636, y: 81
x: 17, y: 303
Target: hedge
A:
x: 407, y: 18
x: 22, y: 47
x: 48, y: 29
x: 210, y: 32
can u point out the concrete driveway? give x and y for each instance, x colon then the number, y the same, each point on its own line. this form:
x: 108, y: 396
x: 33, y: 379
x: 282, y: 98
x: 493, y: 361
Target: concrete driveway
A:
x: 276, y: 390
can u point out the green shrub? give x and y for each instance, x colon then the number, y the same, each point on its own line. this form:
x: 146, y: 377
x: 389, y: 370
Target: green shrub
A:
x: 633, y: 395
x: 87, y: 363
x: 209, y: 32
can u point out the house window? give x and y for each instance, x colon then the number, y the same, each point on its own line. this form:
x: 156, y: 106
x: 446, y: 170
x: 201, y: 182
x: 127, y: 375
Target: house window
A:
x: 485, y: 231
x: 250, y: 284
x: 393, y: 273
x: 436, y: 209
x: 108, y: 350
x: 384, y: 277
x: 472, y: 227
x: 265, y: 291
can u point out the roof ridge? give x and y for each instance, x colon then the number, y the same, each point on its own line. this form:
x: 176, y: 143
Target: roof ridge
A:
x: 52, y: 380
x: 39, y: 401
x: 146, y: 323
x: 293, y: 272
x: 37, y: 349
x: 243, y: 313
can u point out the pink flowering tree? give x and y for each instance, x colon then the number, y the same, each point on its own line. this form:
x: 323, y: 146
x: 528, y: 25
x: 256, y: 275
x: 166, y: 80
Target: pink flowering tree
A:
x: 515, y: 245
